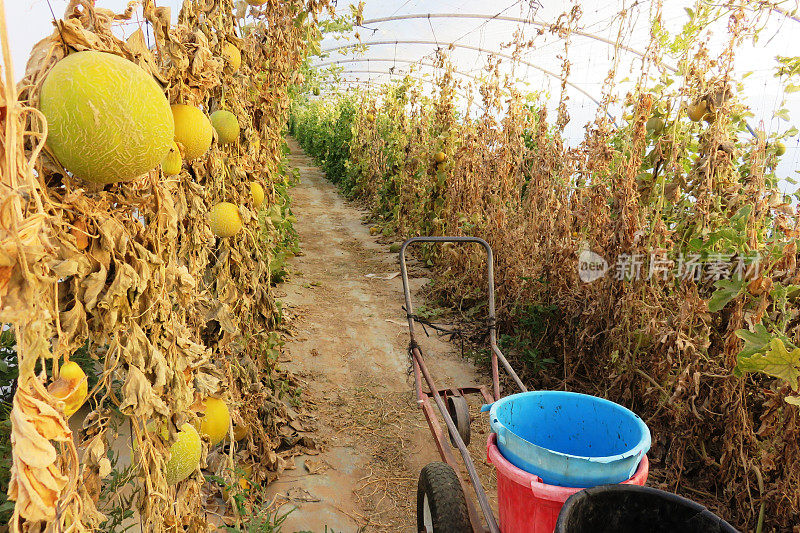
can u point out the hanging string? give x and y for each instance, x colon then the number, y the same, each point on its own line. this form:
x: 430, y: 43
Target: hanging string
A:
x: 58, y: 26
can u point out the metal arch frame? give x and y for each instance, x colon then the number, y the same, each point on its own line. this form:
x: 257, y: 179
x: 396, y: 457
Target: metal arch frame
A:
x: 390, y: 60
x: 475, y: 48
x: 499, y: 54
x: 418, y: 78
x: 505, y: 19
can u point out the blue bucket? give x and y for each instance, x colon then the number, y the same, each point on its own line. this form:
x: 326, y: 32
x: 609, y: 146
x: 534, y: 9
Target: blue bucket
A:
x: 569, y: 439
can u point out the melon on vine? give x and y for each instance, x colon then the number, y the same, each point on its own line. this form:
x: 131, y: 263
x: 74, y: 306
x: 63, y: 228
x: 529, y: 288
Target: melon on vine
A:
x: 257, y: 192
x: 172, y: 163
x: 215, y: 421
x: 226, y: 124
x: 71, y: 387
x: 232, y: 56
x: 107, y: 119
x: 184, y: 455
x: 192, y: 129
x: 225, y: 219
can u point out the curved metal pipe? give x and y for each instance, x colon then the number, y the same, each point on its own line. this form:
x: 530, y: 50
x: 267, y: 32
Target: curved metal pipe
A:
x: 391, y: 60
x: 506, y: 19
x: 476, y: 48
x: 418, y: 78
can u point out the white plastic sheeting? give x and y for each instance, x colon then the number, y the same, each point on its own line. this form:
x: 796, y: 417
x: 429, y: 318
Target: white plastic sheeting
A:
x: 479, y: 28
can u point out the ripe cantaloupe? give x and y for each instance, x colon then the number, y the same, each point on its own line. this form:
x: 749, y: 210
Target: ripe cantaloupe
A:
x: 172, y: 164
x: 192, y: 129
x: 232, y: 56
x: 225, y: 219
x: 184, y: 455
x: 227, y: 126
x: 257, y: 191
x: 108, y: 120
x: 215, y: 421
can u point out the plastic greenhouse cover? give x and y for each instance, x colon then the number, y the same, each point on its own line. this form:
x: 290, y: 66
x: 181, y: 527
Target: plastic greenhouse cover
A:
x: 589, y: 55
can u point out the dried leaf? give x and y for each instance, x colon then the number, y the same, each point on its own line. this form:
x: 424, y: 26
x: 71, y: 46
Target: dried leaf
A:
x: 138, y: 397
x: 36, y: 477
x: 776, y: 361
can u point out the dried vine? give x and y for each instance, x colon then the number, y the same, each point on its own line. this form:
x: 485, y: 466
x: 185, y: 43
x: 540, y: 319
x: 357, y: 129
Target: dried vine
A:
x: 170, y: 313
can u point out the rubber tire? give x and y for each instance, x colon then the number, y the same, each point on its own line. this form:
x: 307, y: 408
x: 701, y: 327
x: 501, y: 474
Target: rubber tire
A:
x: 458, y: 408
x: 446, y: 500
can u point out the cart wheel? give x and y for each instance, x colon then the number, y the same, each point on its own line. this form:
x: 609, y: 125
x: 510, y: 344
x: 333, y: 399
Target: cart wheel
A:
x: 441, y: 506
x: 458, y: 408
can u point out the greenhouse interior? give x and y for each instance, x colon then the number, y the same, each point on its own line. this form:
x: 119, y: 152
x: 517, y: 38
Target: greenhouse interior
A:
x: 410, y: 265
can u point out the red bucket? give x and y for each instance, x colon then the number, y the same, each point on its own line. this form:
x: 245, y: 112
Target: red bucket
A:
x: 529, y: 506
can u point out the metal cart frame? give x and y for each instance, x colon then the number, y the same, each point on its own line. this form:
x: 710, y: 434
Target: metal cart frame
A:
x: 450, y: 402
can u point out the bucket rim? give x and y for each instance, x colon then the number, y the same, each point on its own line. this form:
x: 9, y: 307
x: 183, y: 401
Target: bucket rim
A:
x: 639, y: 449
x: 545, y: 491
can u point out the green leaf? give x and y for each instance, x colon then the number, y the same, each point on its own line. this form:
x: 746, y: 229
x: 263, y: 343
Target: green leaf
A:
x: 696, y: 244
x: 739, y: 220
x: 777, y: 361
x: 794, y: 400
x: 754, y: 341
x: 727, y: 290
x: 782, y: 114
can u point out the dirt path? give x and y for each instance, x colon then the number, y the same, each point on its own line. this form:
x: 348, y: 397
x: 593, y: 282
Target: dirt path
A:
x: 350, y: 349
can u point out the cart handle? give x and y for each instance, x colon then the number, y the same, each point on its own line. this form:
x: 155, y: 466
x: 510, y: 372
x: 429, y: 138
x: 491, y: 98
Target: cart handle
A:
x: 496, y: 353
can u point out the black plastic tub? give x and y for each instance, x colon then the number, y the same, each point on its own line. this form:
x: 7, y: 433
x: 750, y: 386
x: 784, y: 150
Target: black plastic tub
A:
x: 634, y: 509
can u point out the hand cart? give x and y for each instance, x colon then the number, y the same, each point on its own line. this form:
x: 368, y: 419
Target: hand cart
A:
x: 442, y: 505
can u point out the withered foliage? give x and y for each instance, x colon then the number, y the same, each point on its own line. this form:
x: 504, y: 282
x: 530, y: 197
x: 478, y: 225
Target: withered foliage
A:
x: 170, y: 313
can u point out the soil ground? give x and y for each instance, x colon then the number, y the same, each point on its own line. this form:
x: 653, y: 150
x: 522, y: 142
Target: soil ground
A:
x: 350, y: 349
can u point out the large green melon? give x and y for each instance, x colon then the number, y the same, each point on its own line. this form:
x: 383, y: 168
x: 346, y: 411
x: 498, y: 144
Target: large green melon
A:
x: 108, y: 119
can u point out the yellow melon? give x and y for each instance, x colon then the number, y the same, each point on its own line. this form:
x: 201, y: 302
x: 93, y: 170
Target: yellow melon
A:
x: 215, y: 420
x: 108, y: 120
x: 227, y: 126
x: 192, y: 129
x: 257, y: 191
x: 184, y: 455
x: 225, y: 219
x: 172, y: 164
x: 71, y: 387
x: 232, y: 56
